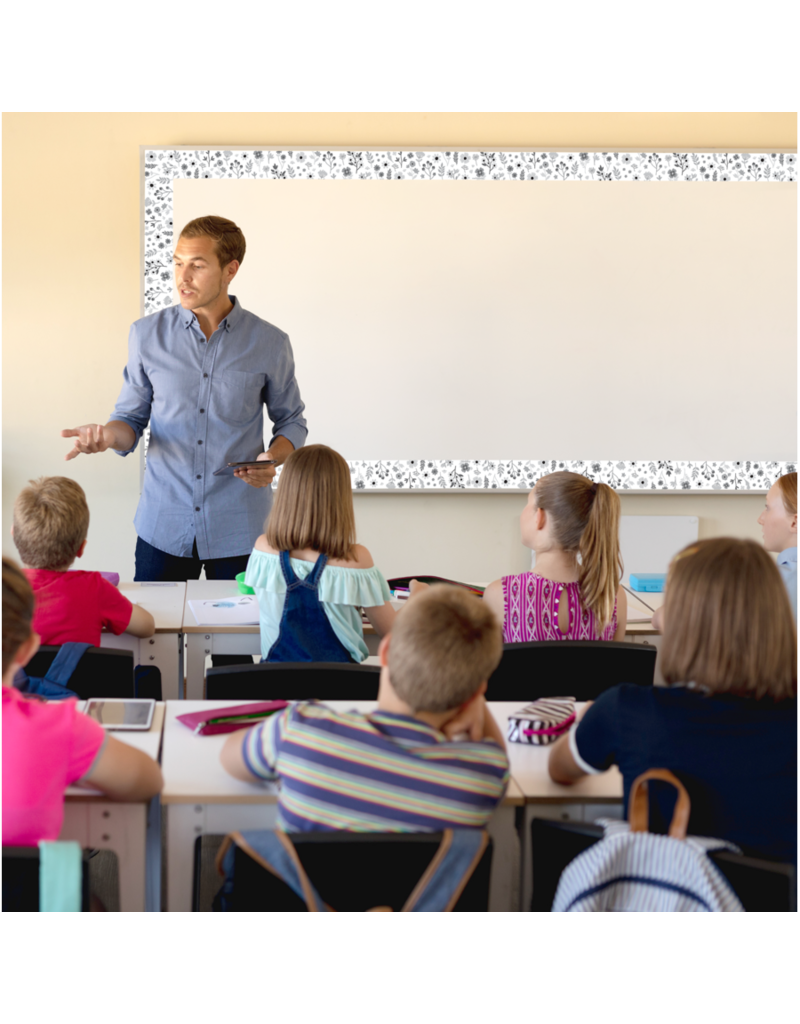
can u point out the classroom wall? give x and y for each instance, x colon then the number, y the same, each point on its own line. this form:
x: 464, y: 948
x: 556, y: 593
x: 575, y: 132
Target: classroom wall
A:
x: 71, y: 214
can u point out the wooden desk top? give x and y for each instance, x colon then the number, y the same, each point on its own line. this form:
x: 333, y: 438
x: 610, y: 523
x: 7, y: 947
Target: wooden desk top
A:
x: 206, y: 590
x: 149, y: 742
x: 165, y: 604
x: 193, y: 773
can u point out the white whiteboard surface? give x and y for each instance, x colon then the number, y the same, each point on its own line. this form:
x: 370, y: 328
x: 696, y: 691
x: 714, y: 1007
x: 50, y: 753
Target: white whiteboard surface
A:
x: 495, y: 320
x: 648, y: 543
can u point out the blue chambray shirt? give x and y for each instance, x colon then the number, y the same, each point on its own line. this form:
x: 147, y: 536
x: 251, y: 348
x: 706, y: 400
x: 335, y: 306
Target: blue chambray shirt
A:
x: 204, y: 402
x: 787, y: 563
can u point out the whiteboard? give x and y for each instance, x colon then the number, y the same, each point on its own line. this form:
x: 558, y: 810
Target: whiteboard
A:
x: 649, y: 543
x: 480, y: 320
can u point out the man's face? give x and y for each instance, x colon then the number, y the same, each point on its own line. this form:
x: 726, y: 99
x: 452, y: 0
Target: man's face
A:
x: 199, y: 278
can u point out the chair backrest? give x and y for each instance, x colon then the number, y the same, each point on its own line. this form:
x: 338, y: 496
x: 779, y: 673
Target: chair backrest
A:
x: 101, y: 672
x: 21, y: 879
x: 761, y: 885
x: 353, y: 871
x: 582, y: 669
x: 285, y: 680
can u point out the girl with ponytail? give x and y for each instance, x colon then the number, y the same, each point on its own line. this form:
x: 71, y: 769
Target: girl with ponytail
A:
x: 574, y: 593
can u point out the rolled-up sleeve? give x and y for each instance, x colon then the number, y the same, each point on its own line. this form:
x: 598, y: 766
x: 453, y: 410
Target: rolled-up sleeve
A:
x: 284, y: 405
x: 136, y: 398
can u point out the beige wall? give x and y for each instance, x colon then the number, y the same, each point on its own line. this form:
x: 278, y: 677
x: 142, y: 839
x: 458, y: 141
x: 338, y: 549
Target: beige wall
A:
x: 71, y: 287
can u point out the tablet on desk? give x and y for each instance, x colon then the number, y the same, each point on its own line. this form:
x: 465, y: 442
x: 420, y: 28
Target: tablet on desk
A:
x: 135, y: 713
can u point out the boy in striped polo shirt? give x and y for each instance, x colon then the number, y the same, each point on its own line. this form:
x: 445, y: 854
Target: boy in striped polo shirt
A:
x: 402, y: 767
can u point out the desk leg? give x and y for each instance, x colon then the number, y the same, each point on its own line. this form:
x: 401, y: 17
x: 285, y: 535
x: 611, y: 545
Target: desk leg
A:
x: 504, y: 884
x: 181, y: 666
x: 196, y: 646
x: 161, y: 651
x: 153, y: 857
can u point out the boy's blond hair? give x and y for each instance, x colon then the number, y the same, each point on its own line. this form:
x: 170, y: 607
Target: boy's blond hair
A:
x: 728, y: 624
x: 444, y: 644
x: 51, y: 521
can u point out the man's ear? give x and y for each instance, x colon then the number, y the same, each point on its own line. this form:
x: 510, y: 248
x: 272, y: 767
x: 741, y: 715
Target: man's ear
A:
x: 231, y: 270
x: 82, y: 548
x: 383, y: 650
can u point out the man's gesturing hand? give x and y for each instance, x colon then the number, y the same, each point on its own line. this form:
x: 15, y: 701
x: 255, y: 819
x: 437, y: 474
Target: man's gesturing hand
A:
x: 257, y: 476
x: 89, y: 439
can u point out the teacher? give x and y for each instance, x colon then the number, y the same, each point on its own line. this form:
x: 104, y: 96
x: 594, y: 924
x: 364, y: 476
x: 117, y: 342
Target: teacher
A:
x: 200, y: 374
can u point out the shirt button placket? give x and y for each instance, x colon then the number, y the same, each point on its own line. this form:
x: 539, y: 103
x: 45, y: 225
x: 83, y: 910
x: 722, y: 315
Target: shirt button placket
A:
x: 200, y: 454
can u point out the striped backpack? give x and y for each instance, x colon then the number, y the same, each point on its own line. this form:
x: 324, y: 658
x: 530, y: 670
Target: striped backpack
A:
x: 635, y: 870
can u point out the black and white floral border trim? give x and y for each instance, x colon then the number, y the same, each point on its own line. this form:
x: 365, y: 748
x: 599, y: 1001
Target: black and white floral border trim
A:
x: 164, y: 166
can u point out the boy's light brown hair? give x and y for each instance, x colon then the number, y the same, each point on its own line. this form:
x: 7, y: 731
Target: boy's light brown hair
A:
x: 51, y: 521
x: 314, y: 504
x: 445, y: 643
x: 17, y: 610
x: 229, y: 243
x: 728, y: 624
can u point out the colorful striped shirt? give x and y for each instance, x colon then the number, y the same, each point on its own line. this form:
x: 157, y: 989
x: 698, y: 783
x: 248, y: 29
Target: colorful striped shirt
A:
x: 380, y: 772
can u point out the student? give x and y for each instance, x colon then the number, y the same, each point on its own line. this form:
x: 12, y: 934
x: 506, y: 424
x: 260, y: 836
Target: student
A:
x: 573, y: 594
x: 310, y: 576
x: 51, y: 521
x: 778, y: 522
x: 49, y: 746
x: 398, y: 769
x: 725, y: 724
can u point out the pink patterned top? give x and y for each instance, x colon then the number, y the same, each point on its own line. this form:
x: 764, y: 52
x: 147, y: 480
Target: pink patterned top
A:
x: 531, y: 611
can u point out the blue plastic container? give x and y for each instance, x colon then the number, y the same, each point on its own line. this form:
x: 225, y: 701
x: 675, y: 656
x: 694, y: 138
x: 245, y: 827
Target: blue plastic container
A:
x: 648, y: 582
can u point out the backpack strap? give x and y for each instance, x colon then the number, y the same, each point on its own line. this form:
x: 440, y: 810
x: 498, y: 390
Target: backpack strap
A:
x: 638, y: 805
x: 65, y: 663
x: 449, y: 871
x: 275, y: 853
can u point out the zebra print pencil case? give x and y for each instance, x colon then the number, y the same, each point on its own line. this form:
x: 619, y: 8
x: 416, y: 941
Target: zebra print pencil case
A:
x: 542, y: 722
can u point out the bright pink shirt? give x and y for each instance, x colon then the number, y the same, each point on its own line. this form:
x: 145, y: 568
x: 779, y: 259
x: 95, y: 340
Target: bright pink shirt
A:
x: 74, y: 606
x: 46, y: 747
x: 531, y: 611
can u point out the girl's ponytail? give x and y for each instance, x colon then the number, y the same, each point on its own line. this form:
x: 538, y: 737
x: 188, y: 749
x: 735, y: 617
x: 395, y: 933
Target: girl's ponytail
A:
x: 601, y: 563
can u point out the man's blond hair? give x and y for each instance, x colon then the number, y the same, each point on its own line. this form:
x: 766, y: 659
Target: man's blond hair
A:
x: 444, y: 644
x: 51, y: 521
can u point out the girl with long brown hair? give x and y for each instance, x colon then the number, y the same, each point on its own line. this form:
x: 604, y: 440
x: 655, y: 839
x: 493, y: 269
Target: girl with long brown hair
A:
x: 310, y: 576
x: 726, y: 722
x: 574, y: 592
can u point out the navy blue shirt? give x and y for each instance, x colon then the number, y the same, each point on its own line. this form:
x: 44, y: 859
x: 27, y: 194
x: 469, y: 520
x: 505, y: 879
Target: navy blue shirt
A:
x: 736, y: 756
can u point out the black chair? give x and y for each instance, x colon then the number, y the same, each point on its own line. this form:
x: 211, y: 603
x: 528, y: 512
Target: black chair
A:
x: 582, y: 669
x: 352, y: 871
x: 301, y: 680
x: 21, y: 879
x: 761, y: 885
x: 101, y: 672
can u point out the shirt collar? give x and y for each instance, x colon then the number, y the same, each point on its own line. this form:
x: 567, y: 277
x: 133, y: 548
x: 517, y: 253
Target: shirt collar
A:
x: 231, y: 320
x: 427, y: 733
x: 787, y: 555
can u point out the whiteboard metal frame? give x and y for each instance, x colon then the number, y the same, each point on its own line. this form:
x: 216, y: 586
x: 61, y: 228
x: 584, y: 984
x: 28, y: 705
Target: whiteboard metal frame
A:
x: 161, y: 166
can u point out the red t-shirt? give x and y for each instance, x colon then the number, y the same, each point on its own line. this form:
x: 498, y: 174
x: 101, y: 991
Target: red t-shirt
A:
x: 74, y: 606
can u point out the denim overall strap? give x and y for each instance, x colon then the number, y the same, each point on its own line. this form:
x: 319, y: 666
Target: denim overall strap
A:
x: 306, y: 633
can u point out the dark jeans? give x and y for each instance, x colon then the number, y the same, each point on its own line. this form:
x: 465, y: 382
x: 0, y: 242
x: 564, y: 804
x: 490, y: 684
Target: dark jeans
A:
x: 156, y: 566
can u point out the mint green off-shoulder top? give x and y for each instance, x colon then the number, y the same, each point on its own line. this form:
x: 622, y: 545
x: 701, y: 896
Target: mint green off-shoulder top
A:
x: 342, y: 592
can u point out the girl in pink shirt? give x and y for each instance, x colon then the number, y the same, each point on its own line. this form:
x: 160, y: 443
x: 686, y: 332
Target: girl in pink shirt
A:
x: 49, y: 746
x: 574, y: 593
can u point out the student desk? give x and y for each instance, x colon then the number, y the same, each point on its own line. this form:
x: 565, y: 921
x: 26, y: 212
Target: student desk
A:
x: 131, y: 830
x: 204, y: 640
x: 200, y: 797
x: 595, y: 796
x: 164, y: 650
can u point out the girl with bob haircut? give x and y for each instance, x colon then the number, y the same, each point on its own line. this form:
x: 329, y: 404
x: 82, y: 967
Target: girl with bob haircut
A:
x: 310, y: 576
x: 574, y: 593
x: 726, y: 722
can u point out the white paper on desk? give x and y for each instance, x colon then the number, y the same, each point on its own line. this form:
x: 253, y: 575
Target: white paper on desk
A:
x: 226, y: 611
x: 638, y: 614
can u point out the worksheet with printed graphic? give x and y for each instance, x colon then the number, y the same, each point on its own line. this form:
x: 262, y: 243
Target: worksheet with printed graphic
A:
x: 226, y: 611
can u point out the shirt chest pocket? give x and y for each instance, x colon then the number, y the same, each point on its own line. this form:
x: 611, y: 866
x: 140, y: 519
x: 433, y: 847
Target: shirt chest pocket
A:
x: 237, y: 395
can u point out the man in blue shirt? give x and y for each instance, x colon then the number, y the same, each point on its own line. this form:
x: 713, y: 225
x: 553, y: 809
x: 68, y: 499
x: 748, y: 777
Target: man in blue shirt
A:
x: 200, y: 374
